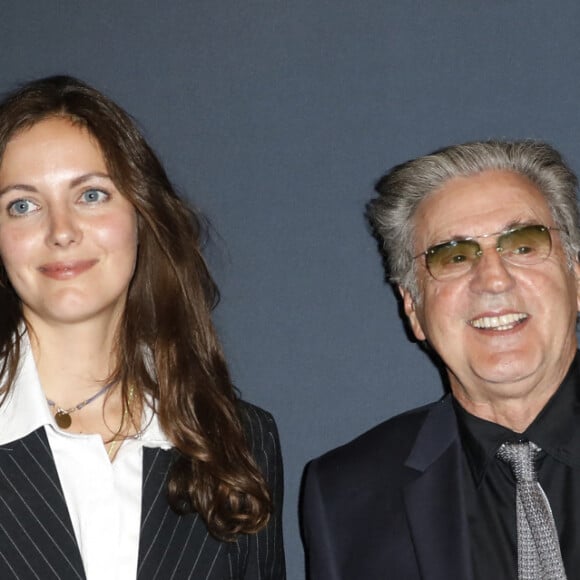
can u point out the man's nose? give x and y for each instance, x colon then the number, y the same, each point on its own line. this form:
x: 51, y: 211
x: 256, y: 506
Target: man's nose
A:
x: 491, y: 273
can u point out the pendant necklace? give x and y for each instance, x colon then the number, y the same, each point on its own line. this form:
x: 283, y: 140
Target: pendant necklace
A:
x: 62, y: 416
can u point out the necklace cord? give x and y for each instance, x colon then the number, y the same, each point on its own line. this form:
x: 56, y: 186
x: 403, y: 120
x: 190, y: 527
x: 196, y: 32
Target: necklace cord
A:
x: 62, y: 416
x: 82, y: 403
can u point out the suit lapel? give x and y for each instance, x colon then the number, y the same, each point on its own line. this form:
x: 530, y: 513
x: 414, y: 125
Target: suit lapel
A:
x: 435, y: 500
x: 173, y: 546
x: 36, y: 534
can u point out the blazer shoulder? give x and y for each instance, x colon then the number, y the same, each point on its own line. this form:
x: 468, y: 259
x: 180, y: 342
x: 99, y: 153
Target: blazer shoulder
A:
x: 385, y: 446
x: 254, y: 417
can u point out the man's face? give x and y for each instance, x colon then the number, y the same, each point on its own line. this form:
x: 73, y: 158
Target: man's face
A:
x: 504, y: 332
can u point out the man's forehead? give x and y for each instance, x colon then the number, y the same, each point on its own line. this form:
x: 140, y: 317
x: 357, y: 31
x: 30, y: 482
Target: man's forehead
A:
x: 489, y: 201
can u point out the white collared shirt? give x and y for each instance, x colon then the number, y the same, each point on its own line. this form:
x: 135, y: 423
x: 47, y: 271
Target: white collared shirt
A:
x: 103, y: 498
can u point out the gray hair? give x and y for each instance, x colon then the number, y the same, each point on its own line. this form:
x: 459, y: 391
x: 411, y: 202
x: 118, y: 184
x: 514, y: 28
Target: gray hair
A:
x: 406, y: 185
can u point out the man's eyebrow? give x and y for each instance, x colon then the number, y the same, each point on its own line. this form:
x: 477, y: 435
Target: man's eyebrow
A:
x: 73, y: 183
x: 516, y: 223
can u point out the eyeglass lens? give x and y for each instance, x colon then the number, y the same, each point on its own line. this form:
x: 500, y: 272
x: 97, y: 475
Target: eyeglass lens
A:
x: 523, y: 246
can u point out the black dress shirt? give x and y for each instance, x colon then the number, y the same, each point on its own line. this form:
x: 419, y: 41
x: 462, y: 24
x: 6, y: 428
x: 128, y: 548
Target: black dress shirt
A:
x: 490, y: 485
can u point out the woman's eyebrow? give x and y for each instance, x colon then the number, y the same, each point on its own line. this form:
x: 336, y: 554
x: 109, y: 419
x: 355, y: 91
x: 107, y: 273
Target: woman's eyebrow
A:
x: 18, y: 187
x: 73, y: 183
x: 87, y: 176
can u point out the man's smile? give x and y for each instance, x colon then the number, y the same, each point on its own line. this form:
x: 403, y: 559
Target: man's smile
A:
x: 502, y: 322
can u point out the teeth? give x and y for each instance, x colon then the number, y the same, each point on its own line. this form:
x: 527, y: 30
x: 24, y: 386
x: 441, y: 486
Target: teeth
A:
x: 504, y: 322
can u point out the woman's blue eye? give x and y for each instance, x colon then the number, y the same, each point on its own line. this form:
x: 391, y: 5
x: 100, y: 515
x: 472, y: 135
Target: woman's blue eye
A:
x: 94, y: 196
x: 21, y: 207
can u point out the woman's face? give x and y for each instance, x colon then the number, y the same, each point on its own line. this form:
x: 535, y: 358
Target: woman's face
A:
x: 68, y: 238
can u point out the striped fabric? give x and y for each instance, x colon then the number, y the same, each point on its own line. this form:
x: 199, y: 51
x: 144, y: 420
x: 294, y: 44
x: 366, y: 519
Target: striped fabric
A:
x: 37, y: 539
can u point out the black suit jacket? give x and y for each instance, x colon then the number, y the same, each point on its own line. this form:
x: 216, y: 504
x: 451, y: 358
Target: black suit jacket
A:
x: 389, y: 505
x: 37, y: 540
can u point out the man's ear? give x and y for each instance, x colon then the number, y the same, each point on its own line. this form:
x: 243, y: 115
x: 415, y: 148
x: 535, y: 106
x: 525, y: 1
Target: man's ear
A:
x: 577, y: 276
x: 411, y: 312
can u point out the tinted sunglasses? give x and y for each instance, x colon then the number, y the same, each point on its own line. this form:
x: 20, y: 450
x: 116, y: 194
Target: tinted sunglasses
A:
x: 520, y: 246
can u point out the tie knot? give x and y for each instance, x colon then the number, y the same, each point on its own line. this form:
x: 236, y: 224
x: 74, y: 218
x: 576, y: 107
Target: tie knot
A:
x: 520, y: 457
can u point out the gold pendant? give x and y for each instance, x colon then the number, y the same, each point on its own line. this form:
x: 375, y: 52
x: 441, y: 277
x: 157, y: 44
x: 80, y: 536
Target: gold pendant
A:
x: 62, y: 419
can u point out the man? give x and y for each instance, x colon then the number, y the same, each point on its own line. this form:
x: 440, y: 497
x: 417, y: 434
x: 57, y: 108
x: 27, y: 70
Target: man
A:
x: 482, y: 241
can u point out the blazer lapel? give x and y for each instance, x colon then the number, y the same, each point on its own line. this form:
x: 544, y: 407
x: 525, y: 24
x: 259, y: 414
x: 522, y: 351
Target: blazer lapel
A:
x: 36, y: 534
x: 435, y: 500
x: 173, y: 546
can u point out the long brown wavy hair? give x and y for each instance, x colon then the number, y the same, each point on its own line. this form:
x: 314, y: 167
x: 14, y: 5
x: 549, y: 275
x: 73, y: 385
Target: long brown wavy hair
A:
x: 167, y: 319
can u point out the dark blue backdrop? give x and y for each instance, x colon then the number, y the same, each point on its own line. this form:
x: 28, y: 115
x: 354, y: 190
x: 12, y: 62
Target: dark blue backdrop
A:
x: 276, y: 117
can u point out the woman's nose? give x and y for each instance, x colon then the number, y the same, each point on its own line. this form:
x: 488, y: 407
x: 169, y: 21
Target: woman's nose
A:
x: 64, y: 228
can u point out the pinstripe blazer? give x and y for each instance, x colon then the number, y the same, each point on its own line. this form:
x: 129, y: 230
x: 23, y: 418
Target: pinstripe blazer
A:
x: 37, y: 540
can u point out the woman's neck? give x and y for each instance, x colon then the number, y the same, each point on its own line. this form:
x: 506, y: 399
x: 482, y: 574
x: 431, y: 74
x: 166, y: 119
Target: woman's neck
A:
x: 73, y: 361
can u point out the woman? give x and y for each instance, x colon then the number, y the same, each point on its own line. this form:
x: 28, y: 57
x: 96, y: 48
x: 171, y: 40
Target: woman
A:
x: 124, y: 450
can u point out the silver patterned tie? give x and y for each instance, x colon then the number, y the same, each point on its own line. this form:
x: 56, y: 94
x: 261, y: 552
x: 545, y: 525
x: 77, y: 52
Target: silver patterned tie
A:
x: 539, y: 556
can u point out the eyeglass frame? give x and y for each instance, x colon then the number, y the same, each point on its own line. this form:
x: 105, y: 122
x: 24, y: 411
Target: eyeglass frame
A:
x: 498, y: 249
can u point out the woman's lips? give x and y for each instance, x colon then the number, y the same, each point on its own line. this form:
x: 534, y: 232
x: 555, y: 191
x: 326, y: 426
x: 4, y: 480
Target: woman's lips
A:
x: 66, y: 270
